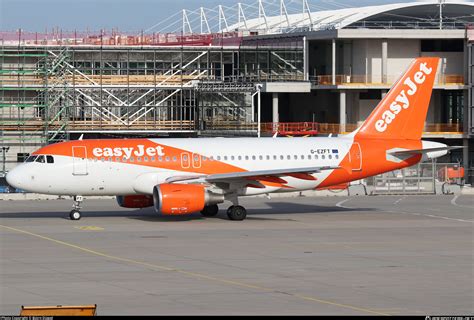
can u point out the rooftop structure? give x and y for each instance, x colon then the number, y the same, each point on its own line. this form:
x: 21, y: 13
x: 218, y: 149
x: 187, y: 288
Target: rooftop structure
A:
x: 415, y: 15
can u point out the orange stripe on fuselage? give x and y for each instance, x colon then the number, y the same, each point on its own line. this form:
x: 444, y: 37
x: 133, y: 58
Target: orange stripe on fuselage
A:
x: 140, y: 145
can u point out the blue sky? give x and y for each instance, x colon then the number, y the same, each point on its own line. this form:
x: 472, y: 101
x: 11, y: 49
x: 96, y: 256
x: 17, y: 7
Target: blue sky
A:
x: 126, y: 15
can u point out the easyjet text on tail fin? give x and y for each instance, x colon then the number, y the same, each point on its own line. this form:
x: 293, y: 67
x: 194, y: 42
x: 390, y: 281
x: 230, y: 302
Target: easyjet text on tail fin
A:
x: 402, y: 112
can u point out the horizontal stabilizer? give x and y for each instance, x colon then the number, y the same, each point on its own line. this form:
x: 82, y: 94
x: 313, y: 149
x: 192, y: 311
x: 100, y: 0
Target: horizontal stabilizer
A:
x: 422, y: 151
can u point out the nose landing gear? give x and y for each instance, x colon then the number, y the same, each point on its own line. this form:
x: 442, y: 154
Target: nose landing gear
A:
x: 75, y: 213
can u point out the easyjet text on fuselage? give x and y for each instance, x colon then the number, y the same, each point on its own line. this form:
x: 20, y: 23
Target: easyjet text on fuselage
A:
x: 138, y: 151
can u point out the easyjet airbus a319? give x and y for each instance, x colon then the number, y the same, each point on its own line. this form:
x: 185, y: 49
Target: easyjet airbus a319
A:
x: 182, y: 176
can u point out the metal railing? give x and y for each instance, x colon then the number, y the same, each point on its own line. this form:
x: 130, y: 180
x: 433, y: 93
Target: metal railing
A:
x: 344, y: 79
x: 117, y: 38
x: 407, y: 24
x: 312, y: 128
x: 290, y: 128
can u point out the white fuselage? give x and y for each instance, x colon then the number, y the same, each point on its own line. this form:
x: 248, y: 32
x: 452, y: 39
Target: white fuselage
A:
x: 104, y: 176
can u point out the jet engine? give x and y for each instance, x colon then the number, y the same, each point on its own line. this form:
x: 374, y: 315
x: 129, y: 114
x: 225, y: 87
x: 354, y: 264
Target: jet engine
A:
x: 135, y: 201
x: 177, y: 199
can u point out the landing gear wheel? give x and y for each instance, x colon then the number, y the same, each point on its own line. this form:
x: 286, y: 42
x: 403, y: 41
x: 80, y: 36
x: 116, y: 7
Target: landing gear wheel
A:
x: 75, y: 215
x: 236, y: 213
x: 210, y: 211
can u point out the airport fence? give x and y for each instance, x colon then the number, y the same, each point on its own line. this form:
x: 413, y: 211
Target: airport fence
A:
x: 423, y: 178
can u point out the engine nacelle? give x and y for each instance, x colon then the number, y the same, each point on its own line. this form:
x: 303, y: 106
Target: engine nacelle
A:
x: 135, y: 201
x: 177, y: 199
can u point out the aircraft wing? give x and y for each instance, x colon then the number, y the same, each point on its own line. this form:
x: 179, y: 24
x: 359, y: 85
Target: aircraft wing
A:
x: 249, y: 175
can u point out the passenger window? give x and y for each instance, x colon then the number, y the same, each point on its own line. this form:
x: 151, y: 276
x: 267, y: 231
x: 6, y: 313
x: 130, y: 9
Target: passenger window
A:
x: 260, y: 157
x: 160, y: 159
x: 309, y: 157
x: 268, y: 157
x: 330, y: 156
x: 167, y: 159
x: 274, y: 157
x: 204, y: 158
x: 246, y: 157
x: 175, y: 159
x: 145, y: 159
x: 288, y: 157
x: 316, y: 157
x: 254, y: 157
x: 124, y: 159
x: 296, y: 157
x: 225, y: 158
x: 232, y: 157
x: 240, y: 157
x: 132, y: 159
x: 139, y: 159
x: 281, y: 157
x: 49, y: 159
x: 336, y: 156
x: 218, y: 157
x: 323, y: 157
x: 153, y: 159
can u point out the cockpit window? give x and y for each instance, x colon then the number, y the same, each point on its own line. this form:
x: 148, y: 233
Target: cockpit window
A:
x: 40, y: 159
x: 31, y: 159
x: 49, y: 159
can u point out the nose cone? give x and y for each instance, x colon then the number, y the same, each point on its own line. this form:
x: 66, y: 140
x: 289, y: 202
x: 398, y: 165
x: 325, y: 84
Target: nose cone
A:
x: 15, y: 178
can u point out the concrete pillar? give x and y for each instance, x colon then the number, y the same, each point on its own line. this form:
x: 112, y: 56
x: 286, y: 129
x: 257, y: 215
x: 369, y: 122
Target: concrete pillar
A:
x: 259, y: 108
x: 466, y: 62
x: 342, y: 111
x: 384, y: 61
x: 466, y: 130
x: 306, y: 58
x: 465, y: 159
x: 467, y: 108
x: 275, y: 115
x: 333, y: 61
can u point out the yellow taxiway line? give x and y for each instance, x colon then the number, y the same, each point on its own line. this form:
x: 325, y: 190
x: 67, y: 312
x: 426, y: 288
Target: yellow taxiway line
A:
x: 194, y: 274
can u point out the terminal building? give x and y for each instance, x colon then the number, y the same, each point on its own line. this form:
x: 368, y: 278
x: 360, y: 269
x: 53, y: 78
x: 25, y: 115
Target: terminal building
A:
x: 311, y: 72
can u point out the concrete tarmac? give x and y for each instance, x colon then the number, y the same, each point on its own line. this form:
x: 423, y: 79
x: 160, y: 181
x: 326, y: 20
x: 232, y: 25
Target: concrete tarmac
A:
x: 310, y: 255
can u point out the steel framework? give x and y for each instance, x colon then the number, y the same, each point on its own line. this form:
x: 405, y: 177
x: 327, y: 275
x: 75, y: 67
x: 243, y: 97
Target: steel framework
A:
x: 48, y: 93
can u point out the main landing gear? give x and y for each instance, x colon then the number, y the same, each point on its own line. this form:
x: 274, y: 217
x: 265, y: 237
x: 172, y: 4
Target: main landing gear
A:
x: 235, y: 212
x: 75, y: 213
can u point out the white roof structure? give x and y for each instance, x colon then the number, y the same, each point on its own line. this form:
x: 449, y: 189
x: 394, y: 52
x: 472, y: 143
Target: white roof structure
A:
x: 283, y: 16
x: 399, y: 14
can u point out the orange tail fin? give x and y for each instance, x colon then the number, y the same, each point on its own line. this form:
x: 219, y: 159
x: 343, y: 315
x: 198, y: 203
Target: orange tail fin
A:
x: 402, y: 112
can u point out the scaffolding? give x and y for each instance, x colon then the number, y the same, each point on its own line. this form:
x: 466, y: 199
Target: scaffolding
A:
x: 23, y: 95
x: 51, y: 93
